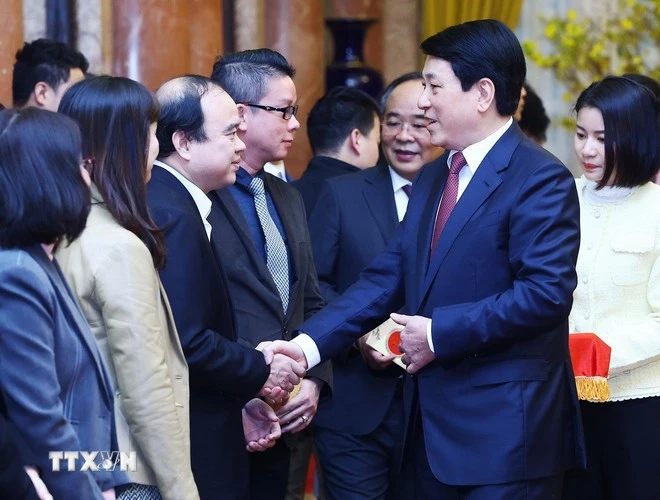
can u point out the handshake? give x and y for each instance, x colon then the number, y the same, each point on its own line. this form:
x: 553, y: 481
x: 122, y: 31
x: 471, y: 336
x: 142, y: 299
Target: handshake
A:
x: 262, y: 419
x: 287, y: 367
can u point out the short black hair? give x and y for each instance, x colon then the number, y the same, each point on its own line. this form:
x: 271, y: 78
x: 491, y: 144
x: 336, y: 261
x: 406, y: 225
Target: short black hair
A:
x: 181, y: 109
x: 245, y: 75
x: 336, y: 114
x: 44, y: 196
x: 534, y: 121
x: 46, y: 61
x: 486, y: 48
x: 650, y: 83
x: 631, y: 115
x: 406, y: 77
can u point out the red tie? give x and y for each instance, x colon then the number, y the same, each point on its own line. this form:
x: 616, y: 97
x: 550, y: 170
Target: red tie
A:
x: 449, y: 197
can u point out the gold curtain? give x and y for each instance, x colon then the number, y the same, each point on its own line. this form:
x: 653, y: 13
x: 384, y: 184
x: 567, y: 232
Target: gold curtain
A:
x: 439, y: 14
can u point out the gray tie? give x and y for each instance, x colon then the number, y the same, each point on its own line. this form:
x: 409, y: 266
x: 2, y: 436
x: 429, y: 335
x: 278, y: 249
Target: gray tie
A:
x: 277, y: 260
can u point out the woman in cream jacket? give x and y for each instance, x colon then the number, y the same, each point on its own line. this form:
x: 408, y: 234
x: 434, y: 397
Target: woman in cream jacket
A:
x: 618, y: 291
x: 112, y: 270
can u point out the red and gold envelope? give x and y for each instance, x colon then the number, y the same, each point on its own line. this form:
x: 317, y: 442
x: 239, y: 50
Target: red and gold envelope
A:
x: 386, y: 339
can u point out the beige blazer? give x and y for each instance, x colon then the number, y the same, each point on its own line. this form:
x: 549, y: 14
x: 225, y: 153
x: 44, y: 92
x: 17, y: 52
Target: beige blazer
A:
x: 111, y: 272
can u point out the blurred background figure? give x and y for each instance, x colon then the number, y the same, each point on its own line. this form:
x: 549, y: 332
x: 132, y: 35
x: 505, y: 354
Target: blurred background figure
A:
x: 533, y: 121
x: 112, y: 270
x: 43, y: 71
x: 58, y: 393
x: 618, y: 292
x: 344, y: 132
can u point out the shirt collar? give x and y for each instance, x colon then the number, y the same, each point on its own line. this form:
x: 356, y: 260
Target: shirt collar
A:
x: 397, y: 181
x: 475, y: 153
x: 202, y: 201
x: 243, y: 178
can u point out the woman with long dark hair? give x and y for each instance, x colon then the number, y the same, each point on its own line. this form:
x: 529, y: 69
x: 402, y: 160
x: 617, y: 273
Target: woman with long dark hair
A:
x: 112, y: 269
x: 57, y: 392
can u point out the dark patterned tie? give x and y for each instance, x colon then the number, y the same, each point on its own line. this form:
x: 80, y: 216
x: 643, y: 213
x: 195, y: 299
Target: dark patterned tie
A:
x: 277, y: 260
x: 449, y: 197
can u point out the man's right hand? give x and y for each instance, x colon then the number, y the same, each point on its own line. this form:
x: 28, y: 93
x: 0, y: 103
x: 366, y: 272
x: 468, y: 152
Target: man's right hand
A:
x: 285, y: 373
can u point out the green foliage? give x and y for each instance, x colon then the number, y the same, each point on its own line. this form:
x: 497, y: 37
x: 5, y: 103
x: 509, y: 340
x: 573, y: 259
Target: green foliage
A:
x: 588, y: 49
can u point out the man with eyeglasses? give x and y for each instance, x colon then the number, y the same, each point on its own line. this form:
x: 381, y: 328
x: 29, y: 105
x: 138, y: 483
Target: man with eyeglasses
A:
x: 358, y: 430
x: 266, y: 250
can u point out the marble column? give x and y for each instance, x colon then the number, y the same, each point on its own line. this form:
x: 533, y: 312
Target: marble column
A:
x: 363, y: 9
x: 11, y: 39
x: 249, y: 24
x: 401, y: 29
x: 295, y: 28
x: 205, y: 35
x: 151, y: 40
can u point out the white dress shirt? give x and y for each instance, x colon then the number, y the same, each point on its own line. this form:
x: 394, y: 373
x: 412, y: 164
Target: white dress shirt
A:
x: 474, y: 155
x: 277, y: 169
x: 202, y: 201
x: 400, y: 196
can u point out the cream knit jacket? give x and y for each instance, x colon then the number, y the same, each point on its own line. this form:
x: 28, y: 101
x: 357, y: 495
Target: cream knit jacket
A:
x: 618, y: 291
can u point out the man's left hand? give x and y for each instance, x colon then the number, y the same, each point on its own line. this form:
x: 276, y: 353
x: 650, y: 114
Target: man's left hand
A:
x: 299, y: 411
x: 414, y: 343
x: 261, y: 426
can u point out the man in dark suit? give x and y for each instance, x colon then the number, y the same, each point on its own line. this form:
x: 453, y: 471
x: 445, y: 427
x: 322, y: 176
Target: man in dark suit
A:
x: 483, y: 266
x: 199, y: 151
x: 266, y: 247
x: 355, y: 218
x: 343, y: 128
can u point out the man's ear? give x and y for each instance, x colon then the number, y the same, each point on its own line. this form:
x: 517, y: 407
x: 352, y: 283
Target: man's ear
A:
x: 181, y: 144
x: 355, y: 139
x: 41, y: 93
x: 486, y: 94
x: 243, y: 115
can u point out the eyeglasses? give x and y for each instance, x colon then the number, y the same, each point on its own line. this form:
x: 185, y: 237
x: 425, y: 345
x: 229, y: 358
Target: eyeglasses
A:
x: 395, y: 127
x: 287, y: 112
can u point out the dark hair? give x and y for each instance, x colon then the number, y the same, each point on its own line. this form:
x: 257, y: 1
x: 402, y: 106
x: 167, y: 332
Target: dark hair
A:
x: 114, y: 114
x: 245, y: 75
x: 631, y: 115
x: 181, y: 109
x: 336, y: 114
x: 44, y: 196
x: 43, y: 61
x: 406, y: 77
x: 647, y: 81
x: 533, y: 120
x: 483, y: 49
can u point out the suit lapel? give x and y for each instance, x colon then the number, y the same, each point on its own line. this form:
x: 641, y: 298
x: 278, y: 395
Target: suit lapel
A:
x: 227, y: 204
x: 282, y: 205
x: 73, y: 313
x: 379, y: 198
x: 484, y: 182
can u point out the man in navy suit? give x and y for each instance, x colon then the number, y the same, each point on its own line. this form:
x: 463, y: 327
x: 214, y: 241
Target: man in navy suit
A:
x: 483, y: 266
x: 354, y: 219
x: 343, y: 128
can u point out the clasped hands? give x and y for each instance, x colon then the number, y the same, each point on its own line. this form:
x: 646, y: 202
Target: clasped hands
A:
x: 261, y: 425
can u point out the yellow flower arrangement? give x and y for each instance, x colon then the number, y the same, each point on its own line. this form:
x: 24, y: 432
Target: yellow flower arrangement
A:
x: 588, y: 49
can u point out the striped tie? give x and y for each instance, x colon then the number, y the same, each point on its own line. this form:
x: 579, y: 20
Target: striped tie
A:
x: 277, y: 260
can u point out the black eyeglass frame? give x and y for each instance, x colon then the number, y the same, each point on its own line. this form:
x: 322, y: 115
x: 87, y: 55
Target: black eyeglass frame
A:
x: 288, y: 110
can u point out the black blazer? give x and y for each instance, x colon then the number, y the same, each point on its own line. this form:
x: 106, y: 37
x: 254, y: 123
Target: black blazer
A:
x: 353, y: 221
x: 224, y: 374
x: 259, y: 314
x: 319, y: 169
